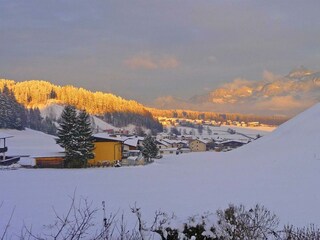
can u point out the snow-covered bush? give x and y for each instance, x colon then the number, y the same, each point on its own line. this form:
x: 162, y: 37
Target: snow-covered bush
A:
x: 293, y: 233
x: 232, y: 223
x: 236, y: 222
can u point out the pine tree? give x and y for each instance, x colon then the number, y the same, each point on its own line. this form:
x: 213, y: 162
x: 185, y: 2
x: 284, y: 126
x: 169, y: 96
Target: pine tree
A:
x: 150, y: 149
x: 35, y: 119
x: 12, y: 114
x: 48, y: 126
x: 75, y: 136
x: 68, y: 136
x: 85, y: 139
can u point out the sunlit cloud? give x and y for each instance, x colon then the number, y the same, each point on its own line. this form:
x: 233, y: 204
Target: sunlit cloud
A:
x: 151, y: 62
x: 168, y: 62
x: 284, y: 103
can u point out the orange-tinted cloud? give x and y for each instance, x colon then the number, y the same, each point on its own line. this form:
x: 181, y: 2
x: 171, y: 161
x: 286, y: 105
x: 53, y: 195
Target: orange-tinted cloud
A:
x: 284, y: 104
x: 168, y: 62
x: 150, y: 62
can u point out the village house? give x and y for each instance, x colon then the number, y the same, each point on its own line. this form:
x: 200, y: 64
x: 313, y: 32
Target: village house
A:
x: 162, y: 144
x: 166, y: 151
x: 132, y: 143
x: 230, y: 144
x: 198, y: 145
x: 107, y: 150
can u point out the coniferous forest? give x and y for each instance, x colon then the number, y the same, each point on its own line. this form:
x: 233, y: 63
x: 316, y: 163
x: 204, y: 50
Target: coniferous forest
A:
x: 34, y: 94
x: 14, y: 115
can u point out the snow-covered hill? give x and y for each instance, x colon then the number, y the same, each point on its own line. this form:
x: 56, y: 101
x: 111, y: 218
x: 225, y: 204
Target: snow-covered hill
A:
x: 53, y: 111
x: 280, y: 171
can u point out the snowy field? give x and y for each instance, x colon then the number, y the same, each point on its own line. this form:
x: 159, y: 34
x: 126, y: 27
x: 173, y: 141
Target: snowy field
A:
x: 221, y: 133
x: 279, y: 171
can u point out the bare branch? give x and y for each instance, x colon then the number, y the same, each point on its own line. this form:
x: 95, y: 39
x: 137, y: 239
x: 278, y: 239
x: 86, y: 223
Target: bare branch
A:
x: 8, y: 223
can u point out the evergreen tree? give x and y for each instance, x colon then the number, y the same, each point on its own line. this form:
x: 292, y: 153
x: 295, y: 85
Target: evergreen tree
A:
x: 85, y: 139
x: 75, y: 136
x: 200, y: 129
x: 138, y: 130
x: 48, y: 126
x: 68, y: 136
x: 3, y: 111
x: 35, y: 119
x: 12, y: 114
x: 150, y: 149
x: 174, y: 131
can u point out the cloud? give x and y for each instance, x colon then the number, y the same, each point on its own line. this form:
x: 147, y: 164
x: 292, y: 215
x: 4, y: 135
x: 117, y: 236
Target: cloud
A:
x: 237, y: 83
x: 168, y: 62
x: 270, y: 77
x: 151, y: 62
x: 284, y: 104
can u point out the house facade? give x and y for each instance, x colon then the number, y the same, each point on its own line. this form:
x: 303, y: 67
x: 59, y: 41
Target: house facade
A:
x: 107, y: 150
x: 50, y: 161
x: 198, y: 145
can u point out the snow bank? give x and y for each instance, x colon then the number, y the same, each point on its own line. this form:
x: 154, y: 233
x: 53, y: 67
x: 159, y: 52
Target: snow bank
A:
x: 280, y: 171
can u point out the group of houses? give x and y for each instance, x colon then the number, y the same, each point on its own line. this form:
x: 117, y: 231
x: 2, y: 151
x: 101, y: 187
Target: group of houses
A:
x: 110, y: 149
x: 166, y: 121
x: 168, y: 143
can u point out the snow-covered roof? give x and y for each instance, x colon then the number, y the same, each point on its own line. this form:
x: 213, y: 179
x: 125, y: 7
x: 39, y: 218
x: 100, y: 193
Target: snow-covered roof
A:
x: 173, y: 141
x: 168, y: 141
x: 234, y: 140
x: 134, y: 151
x: 49, y: 154
x: 185, y: 149
x: 169, y: 149
x: 205, y: 141
x: 162, y: 143
x: 4, y: 135
x: 107, y: 137
x: 131, y: 142
x: 30, y: 142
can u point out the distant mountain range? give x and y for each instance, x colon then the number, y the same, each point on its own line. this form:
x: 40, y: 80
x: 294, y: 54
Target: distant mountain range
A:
x: 283, y: 95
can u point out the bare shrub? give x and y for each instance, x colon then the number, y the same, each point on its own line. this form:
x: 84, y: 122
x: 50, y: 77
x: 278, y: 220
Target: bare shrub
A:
x: 236, y: 222
x: 292, y: 233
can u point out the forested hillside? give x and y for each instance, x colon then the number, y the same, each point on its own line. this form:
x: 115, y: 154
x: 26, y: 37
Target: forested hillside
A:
x: 115, y: 110
x: 14, y: 115
x: 36, y: 93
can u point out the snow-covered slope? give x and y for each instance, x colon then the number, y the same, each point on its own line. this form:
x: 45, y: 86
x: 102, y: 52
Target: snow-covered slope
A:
x: 295, y: 141
x: 53, y: 111
x: 30, y: 143
x: 280, y: 171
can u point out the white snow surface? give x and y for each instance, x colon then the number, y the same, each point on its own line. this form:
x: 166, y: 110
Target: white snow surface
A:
x: 54, y: 111
x: 30, y: 143
x: 279, y: 171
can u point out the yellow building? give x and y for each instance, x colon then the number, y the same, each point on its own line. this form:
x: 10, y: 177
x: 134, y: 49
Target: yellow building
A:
x: 107, y: 150
x: 198, y: 145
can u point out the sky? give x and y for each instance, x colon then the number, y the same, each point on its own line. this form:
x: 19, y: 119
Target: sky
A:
x: 144, y: 50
